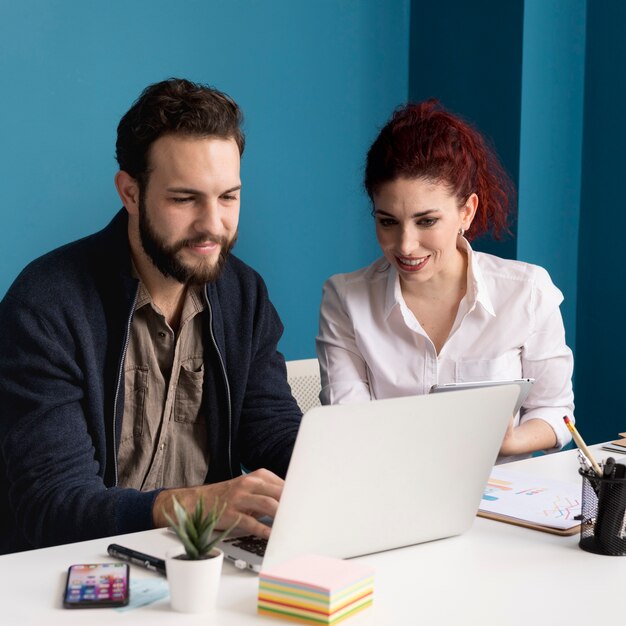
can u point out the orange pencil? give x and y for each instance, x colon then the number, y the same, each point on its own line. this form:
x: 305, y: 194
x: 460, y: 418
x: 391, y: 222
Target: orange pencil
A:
x: 582, y: 445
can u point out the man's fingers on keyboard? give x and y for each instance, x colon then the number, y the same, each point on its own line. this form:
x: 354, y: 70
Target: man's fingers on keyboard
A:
x: 251, y: 543
x: 252, y: 525
x: 258, y: 485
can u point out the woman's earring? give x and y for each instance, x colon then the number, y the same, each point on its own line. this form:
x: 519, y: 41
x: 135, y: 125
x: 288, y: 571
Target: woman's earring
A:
x: 461, y: 232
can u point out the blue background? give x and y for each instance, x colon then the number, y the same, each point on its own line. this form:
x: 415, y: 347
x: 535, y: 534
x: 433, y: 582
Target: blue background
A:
x: 314, y: 80
x: 543, y: 79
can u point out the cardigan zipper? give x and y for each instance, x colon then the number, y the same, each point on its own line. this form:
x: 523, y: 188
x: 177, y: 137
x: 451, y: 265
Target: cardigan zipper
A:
x: 223, y: 367
x: 119, y: 380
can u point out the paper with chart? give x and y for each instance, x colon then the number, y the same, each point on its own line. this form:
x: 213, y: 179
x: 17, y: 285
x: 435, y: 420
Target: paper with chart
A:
x: 533, y: 499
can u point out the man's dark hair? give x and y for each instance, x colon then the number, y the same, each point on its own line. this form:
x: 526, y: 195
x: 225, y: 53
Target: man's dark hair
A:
x: 174, y: 107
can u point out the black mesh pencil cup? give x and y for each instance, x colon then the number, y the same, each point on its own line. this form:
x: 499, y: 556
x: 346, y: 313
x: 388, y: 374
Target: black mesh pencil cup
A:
x: 603, y: 514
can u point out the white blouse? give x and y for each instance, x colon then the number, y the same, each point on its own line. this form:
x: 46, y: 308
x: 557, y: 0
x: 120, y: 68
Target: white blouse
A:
x: 509, y: 325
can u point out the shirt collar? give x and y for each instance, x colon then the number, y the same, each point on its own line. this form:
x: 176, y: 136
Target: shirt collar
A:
x: 194, y: 300
x: 143, y: 296
x: 393, y: 295
x: 477, y: 291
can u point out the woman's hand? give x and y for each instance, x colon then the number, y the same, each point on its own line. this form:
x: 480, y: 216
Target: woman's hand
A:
x: 530, y: 436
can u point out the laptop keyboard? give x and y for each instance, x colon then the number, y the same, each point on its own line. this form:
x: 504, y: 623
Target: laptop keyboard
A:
x: 250, y: 543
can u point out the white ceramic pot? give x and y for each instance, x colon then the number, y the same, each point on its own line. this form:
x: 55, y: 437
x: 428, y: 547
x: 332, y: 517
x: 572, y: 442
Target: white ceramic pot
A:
x: 194, y: 585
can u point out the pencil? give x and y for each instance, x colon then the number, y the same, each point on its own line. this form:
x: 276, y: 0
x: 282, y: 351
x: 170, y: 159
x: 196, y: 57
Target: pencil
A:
x: 582, y: 445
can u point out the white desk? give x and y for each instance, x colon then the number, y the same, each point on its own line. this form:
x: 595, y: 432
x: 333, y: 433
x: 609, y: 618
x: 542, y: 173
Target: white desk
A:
x: 494, y: 574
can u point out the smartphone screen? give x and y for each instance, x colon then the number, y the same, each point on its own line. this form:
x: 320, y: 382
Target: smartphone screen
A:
x: 96, y: 585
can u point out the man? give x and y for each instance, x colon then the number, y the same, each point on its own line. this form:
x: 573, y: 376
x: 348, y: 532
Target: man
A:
x: 140, y: 363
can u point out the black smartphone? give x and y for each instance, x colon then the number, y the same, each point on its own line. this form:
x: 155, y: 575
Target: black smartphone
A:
x: 96, y: 585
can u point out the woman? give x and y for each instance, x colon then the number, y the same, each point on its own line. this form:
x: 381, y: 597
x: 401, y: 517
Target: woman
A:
x: 432, y: 310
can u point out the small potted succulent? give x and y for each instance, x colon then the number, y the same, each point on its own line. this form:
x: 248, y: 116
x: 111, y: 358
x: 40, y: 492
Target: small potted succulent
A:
x: 194, y: 575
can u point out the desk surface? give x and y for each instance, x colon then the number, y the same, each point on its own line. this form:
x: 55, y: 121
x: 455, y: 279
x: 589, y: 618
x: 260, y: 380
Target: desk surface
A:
x: 495, y: 573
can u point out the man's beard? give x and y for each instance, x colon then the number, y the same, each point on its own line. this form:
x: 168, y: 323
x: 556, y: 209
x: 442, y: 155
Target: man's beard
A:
x: 164, y: 256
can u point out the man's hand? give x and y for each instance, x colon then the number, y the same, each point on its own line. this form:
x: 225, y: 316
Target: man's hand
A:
x: 248, y: 497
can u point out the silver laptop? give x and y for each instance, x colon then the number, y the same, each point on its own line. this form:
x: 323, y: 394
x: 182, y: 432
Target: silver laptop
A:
x: 384, y: 474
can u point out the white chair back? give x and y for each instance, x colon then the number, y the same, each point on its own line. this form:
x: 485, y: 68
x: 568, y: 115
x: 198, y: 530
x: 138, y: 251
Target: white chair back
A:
x: 304, y: 379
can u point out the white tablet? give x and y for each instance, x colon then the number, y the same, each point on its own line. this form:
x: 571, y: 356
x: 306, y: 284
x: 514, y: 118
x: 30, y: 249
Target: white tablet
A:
x: 524, y: 387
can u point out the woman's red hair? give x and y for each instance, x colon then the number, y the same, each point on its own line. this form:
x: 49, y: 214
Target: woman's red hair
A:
x: 425, y: 141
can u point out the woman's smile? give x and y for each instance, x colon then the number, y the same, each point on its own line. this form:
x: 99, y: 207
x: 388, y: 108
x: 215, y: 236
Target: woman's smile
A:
x: 411, y: 264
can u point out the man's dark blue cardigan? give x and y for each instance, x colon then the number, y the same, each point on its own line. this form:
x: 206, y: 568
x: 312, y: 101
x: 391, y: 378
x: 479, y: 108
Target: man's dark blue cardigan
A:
x: 63, y: 330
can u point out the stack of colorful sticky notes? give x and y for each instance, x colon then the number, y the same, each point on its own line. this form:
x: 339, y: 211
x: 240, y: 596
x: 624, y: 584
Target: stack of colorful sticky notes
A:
x: 315, y: 589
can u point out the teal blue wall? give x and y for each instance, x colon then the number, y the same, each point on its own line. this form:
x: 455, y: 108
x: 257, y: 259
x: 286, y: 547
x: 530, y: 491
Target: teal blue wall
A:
x: 516, y: 70
x: 567, y: 124
x: 545, y: 80
x: 551, y: 144
x: 469, y: 56
x: 315, y: 81
x: 601, y: 338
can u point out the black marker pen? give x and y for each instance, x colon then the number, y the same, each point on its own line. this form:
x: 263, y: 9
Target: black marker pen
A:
x: 138, y: 558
